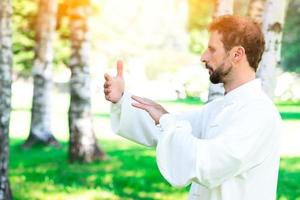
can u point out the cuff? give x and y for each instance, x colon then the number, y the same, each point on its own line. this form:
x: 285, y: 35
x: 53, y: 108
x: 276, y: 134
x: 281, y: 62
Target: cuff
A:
x: 166, y: 121
x: 117, y: 106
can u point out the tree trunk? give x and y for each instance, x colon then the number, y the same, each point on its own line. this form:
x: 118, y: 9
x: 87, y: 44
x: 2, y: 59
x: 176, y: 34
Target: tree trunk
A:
x: 40, y: 130
x: 223, y: 7
x: 5, y: 94
x: 272, y: 26
x: 256, y: 9
x: 83, y: 143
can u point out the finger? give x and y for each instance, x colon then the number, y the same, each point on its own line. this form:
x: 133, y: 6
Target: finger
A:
x: 107, y: 77
x: 107, y: 91
x: 141, y: 100
x: 107, y: 97
x: 140, y: 106
x: 120, y: 68
x: 138, y: 99
x: 107, y: 84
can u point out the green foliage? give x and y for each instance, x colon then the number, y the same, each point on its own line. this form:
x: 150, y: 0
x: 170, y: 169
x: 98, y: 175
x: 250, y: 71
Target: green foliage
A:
x: 23, y: 35
x: 291, y: 39
x: 200, y: 15
x: 62, y: 51
x: 24, y: 17
x: 198, y: 41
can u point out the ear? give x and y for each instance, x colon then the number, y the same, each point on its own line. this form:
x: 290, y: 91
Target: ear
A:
x: 238, y: 53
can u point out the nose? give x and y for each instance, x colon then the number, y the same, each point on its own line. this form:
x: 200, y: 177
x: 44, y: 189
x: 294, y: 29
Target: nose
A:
x: 204, y: 57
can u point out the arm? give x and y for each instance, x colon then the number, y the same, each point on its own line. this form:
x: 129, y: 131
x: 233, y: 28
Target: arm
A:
x: 133, y: 124
x: 242, y: 145
x: 127, y: 121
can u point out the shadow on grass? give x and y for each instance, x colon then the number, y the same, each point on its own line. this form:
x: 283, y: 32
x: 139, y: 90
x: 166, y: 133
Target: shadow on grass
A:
x: 129, y: 173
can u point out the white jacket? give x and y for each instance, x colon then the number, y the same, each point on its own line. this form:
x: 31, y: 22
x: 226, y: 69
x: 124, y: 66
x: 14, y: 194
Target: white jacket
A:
x: 228, y: 149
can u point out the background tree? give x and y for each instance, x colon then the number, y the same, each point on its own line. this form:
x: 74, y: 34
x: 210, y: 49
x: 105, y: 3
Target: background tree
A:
x: 272, y: 26
x: 291, y: 39
x: 200, y: 13
x: 24, y: 36
x: 5, y: 94
x: 256, y: 9
x: 40, y: 130
x: 24, y: 40
x: 222, y: 7
x: 83, y: 143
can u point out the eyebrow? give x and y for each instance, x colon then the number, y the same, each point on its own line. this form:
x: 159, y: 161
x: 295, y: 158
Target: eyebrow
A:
x: 211, y: 48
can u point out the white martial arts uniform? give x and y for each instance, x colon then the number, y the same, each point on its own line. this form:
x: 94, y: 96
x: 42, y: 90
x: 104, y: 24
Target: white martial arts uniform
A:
x: 228, y: 149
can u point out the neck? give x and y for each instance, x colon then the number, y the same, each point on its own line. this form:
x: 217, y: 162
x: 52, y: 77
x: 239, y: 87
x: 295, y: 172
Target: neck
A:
x: 243, y: 78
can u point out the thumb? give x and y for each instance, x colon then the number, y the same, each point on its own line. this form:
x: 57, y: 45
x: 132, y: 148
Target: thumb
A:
x: 120, y: 68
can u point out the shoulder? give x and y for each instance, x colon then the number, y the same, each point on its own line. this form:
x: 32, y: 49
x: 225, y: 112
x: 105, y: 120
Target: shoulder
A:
x: 261, y: 106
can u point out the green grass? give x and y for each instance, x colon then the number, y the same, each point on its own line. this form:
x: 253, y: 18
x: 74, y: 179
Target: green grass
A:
x: 129, y: 173
x: 289, y: 111
x: 289, y: 179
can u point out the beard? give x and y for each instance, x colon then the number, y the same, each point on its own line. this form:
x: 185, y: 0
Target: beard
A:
x: 217, y: 75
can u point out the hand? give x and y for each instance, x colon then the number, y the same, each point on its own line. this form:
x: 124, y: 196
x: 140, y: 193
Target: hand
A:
x: 155, y: 110
x: 114, y: 86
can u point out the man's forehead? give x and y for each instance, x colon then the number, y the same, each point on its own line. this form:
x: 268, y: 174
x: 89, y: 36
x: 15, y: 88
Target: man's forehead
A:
x: 215, y: 38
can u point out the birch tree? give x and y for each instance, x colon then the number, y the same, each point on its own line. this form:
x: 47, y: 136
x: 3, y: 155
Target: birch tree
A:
x: 40, y: 130
x: 256, y: 9
x: 83, y: 143
x: 5, y: 94
x: 223, y: 7
x: 272, y: 25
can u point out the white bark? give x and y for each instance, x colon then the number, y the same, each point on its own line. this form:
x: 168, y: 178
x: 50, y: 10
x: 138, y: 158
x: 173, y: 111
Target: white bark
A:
x: 223, y: 7
x: 40, y: 130
x: 256, y: 9
x: 5, y: 94
x: 83, y: 143
x: 272, y: 26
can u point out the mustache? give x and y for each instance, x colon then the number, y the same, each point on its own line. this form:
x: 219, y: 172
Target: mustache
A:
x: 208, y: 67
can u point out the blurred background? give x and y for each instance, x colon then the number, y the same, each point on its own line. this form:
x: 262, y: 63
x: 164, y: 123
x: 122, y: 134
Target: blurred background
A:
x: 61, y: 49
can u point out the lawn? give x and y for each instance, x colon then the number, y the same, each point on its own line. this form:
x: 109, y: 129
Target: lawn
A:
x: 130, y: 172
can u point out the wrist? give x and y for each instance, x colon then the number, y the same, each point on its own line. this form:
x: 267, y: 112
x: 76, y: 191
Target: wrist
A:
x: 120, y: 99
x: 166, y: 120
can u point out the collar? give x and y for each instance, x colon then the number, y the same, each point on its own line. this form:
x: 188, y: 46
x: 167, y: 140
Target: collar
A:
x: 249, y: 88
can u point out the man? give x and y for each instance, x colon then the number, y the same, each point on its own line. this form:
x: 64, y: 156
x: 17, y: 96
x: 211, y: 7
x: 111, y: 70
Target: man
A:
x: 228, y: 149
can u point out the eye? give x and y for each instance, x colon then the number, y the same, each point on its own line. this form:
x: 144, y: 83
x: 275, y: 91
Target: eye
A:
x: 211, y: 49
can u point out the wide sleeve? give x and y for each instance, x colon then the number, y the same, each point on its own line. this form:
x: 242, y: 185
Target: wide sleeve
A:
x: 244, y: 143
x: 132, y: 123
x: 195, y: 119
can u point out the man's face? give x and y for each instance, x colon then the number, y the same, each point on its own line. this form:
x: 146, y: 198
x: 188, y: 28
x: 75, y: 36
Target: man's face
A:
x: 216, y: 59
